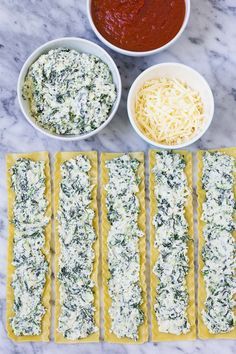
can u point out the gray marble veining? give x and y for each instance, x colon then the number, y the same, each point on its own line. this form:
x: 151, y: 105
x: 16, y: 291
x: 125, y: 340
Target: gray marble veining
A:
x: 208, y: 45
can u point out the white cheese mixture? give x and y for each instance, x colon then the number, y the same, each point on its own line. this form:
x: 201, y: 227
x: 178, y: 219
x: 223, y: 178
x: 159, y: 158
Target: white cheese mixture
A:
x: 69, y: 92
x: 123, y: 246
x: 77, y: 236
x: 31, y: 267
x: 219, y: 250
x: 171, y: 228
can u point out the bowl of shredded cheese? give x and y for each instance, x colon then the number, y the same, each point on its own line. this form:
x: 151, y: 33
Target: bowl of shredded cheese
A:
x: 170, y: 105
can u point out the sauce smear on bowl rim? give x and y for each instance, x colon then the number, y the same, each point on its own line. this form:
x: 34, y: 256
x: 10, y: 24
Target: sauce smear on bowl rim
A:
x: 138, y: 25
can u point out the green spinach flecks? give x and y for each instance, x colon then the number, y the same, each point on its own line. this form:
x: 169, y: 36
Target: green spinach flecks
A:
x: 218, y: 253
x: 77, y: 237
x: 123, y: 246
x: 171, y: 240
x: 31, y: 267
x: 69, y: 92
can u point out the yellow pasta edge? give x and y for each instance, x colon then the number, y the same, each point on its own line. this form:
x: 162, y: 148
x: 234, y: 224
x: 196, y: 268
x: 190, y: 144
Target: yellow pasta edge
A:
x: 143, y: 329
x: 203, y: 332
x: 158, y: 336
x: 44, y: 336
x: 60, y: 158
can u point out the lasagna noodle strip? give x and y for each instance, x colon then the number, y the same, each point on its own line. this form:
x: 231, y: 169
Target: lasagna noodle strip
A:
x: 60, y: 159
x: 203, y: 331
x: 109, y: 336
x: 157, y: 335
x: 45, y: 299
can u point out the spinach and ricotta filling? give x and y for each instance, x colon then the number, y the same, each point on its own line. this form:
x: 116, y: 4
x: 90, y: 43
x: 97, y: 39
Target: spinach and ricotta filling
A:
x: 69, y: 92
x: 171, y: 239
x: 31, y: 267
x: 123, y: 246
x: 218, y: 253
x: 77, y: 237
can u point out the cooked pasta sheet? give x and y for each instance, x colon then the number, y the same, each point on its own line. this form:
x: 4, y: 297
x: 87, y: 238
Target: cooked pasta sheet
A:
x: 124, y: 248
x: 172, y: 246
x: 76, y: 247
x: 28, y: 272
x: 216, y: 226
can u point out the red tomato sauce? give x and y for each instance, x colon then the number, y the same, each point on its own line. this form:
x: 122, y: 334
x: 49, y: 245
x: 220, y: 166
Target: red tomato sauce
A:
x: 138, y: 25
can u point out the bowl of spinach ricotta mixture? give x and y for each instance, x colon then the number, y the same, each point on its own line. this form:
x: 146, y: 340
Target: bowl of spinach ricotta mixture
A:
x: 69, y: 88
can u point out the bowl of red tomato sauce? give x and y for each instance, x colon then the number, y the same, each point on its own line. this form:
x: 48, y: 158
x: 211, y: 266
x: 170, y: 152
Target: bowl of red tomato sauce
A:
x: 138, y: 27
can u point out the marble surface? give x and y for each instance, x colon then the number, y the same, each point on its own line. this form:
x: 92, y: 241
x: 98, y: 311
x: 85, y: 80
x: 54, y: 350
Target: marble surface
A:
x: 208, y: 45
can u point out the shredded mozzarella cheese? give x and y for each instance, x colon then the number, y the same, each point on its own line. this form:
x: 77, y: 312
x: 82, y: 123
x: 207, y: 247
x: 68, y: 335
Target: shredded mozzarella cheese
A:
x: 168, y: 111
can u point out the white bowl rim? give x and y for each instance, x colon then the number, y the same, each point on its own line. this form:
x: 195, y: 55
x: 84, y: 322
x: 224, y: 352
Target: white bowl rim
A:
x: 25, y: 69
x: 195, y: 138
x: 144, y: 53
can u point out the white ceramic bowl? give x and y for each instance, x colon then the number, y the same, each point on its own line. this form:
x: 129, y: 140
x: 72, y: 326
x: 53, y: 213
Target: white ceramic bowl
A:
x: 81, y: 45
x: 133, y: 53
x: 180, y: 72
